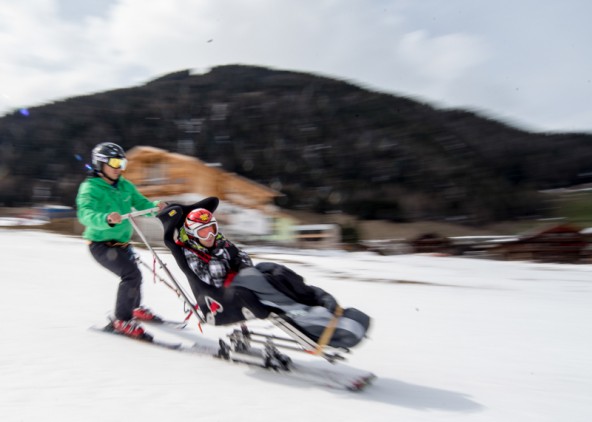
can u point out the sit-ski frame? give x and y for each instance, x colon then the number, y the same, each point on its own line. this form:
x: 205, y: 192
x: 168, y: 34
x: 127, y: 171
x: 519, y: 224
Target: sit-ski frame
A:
x: 297, y: 341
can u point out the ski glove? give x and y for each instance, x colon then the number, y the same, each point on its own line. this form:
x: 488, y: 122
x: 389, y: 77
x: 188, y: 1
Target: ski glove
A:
x: 230, y: 254
x: 325, y: 299
x: 329, y: 302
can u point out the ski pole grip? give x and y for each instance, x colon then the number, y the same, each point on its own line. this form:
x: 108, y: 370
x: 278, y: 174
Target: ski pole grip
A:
x: 138, y: 213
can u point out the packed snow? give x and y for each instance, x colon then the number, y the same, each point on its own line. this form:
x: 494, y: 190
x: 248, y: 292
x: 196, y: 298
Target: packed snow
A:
x: 453, y: 339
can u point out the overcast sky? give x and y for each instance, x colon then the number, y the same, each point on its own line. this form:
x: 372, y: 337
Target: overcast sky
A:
x: 527, y: 62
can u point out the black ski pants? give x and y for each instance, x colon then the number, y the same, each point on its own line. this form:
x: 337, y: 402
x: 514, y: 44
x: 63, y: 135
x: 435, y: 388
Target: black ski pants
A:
x: 120, y: 260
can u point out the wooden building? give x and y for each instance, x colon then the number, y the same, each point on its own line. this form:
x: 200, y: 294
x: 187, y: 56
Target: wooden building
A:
x: 431, y: 243
x: 560, y: 243
x: 162, y: 174
x: 318, y: 236
x: 247, y: 209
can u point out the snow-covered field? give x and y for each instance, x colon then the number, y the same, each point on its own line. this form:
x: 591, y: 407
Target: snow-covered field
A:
x: 453, y: 340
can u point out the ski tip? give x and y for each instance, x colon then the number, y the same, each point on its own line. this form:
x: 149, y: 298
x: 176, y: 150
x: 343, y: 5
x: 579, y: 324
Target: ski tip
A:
x: 361, y: 383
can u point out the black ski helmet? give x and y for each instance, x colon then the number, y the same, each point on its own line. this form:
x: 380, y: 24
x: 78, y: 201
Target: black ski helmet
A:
x: 102, y: 152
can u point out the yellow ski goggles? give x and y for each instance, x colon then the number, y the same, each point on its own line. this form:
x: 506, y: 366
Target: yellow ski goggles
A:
x: 117, y: 163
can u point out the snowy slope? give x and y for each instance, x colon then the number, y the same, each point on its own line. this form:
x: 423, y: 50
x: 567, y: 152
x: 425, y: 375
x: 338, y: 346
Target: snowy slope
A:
x: 453, y: 340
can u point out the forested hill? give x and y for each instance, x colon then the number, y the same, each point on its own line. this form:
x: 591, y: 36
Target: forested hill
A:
x: 326, y: 144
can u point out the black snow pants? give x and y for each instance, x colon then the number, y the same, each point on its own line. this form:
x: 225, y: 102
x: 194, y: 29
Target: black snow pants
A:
x: 120, y: 260
x: 311, y: 319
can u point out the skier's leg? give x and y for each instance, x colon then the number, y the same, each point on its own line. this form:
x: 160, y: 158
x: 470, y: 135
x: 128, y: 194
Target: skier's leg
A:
x: 252, y: 279
x: 294, y: 283
x: 120, y: 260
x: 311, y: 320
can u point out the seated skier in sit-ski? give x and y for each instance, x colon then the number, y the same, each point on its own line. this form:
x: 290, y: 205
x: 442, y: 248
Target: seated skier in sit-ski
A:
x: 229, y: 288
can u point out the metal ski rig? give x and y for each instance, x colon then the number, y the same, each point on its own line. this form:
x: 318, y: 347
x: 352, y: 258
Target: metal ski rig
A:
x: 240, y: 340
x: 305, y: 343
x: 241, y: 350
x: 244, y: 346
x: 192, y: 307
x: 266, y: 358
x: 133, y: 214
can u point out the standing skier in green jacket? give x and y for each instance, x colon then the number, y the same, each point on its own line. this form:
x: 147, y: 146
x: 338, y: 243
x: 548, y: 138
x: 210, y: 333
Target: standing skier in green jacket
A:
x: 101, y: 201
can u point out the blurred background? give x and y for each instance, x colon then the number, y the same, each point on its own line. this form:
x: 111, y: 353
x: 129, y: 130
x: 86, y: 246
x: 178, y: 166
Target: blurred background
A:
x: 394, y: 126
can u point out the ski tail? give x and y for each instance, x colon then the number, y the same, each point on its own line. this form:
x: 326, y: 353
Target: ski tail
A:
x: 145, y: 338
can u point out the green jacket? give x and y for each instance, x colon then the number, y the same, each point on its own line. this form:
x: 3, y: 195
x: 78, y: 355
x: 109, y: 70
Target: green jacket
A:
x: 96, y: 199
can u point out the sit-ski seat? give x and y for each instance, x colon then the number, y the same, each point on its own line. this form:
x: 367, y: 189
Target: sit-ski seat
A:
x: 219, y: 306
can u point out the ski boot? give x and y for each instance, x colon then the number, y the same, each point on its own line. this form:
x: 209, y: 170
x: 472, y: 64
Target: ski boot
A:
x: 130, y: 329
x: 145, y: 314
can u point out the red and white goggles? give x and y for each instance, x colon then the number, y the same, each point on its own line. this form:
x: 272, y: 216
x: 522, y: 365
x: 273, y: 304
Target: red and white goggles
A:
x: 207, y: 230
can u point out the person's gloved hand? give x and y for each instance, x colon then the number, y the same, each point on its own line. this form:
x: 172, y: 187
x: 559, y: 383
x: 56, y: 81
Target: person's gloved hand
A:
x: 230, y: 254
x: 227, y: 252
x: 324, y: 299
x: 329, y: 302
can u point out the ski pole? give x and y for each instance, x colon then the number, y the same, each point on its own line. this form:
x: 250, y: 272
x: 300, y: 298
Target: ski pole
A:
x: 138, y: 213
x: 166, y: 270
